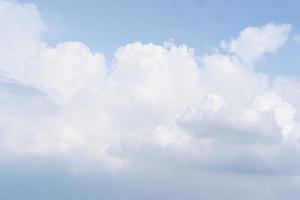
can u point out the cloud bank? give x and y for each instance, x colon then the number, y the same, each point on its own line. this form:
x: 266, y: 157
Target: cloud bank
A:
x: 157, y: 104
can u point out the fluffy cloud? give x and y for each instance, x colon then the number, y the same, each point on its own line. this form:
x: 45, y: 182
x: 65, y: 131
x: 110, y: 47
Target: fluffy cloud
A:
x: 156, y: 104
x: 254, y: 42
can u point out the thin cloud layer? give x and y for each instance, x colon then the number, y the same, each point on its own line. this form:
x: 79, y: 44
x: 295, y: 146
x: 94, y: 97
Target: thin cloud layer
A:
x: 157, y: 104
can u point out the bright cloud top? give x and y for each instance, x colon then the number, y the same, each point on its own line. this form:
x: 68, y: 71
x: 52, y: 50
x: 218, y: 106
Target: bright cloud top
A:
x: 156, y: 104
x: 254, y: 42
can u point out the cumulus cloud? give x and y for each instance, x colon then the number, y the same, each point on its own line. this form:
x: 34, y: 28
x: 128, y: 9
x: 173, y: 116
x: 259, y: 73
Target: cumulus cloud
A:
x: 254, y: 42
x: 156, y: 104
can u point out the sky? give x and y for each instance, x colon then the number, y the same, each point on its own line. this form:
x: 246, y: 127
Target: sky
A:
x: 163, y: 100
x: 201, y: 24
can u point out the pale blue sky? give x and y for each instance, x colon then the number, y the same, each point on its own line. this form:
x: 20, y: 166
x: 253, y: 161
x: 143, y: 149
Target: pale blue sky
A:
x: 106, y: 25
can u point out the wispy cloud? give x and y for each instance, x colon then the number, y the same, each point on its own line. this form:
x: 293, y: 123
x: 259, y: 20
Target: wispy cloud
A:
x: 296, y: 38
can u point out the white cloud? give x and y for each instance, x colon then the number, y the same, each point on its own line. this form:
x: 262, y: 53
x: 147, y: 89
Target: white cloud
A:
x: 158, y: 102
x: 64, y: 71
x: 283, y: 112
x: 254, y: 42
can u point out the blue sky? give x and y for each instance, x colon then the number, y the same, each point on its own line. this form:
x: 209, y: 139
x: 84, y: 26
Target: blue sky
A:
x: 163, y: 100
x: 200, y: 24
